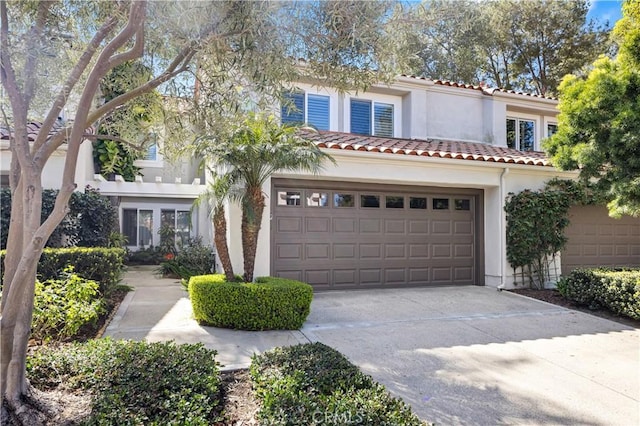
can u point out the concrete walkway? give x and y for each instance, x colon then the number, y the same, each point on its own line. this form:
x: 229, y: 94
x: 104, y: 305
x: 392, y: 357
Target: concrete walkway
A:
x: 458, y: 355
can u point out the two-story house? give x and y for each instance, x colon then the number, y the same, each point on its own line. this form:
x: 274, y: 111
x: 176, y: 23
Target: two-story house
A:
x: 416, y: 196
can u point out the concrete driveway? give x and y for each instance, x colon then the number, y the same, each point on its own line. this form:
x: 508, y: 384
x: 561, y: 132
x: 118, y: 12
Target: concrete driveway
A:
x: 458, y: 355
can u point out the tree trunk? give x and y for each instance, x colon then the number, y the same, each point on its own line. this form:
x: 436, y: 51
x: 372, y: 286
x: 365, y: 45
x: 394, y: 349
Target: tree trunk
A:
x: 220, y: 239
x: 251, y: 219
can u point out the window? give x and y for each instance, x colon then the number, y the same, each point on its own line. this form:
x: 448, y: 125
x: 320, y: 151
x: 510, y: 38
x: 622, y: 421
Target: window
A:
x: 370, y: 201
x: 441, y: 204
x: 288, y: 198
x: 316, y: 113
x: 179, y: 221
x: 137, y: 226
x: 552, y: 129
x: 418, y: 203
x: 152, y: 153
x: 363, y: 115
x: 4, y: 181
x: 317, y: 199
x: 521, y: 134
x: 394, y: 202
x: 462, y: 204
x: 343, y: 200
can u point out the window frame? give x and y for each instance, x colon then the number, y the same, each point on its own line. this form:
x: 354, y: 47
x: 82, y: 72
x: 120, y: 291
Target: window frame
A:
x: 305, y: 109
x: 518, y: 142
x: 372, y: 103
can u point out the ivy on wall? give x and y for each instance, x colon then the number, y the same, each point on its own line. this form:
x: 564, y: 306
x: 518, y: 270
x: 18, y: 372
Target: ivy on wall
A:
x: 535, y: 230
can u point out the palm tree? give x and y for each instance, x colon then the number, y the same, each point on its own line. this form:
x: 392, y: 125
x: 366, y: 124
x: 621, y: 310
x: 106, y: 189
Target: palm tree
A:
x: 217, y: 194
x: 255, y: 149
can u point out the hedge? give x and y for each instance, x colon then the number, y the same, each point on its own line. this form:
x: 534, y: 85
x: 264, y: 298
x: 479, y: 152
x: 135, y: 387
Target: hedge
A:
x: 315, y: 384
x: 268, y: 304
x: 615, y: 290
x: 103, y: 265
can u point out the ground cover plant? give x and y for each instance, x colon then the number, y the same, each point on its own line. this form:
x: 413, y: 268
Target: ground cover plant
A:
x: 269, y: 303
x: 313, y: 384
x: 134, y: 383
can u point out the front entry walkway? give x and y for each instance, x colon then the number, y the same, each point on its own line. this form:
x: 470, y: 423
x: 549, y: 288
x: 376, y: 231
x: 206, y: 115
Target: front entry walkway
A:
x: 463, y: 355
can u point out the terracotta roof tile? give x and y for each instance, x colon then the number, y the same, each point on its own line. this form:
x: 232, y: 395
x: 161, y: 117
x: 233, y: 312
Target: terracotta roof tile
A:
x: 484, y: 89
x: 427, y: 148
x: 33, y: 128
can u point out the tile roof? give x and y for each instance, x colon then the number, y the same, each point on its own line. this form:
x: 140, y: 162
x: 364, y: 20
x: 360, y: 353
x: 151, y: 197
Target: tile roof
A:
x: 484, y: 89
x: 427, y: 148
x: 33, y: 128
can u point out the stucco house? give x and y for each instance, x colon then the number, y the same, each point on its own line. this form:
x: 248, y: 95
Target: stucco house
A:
x: 416, y: 196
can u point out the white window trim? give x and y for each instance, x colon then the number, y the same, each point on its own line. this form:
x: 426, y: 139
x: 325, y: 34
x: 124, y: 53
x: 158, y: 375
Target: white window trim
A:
x: 157, y: 163
x: 396, y: 101
x: 536, y: 129
x: 547, y: 122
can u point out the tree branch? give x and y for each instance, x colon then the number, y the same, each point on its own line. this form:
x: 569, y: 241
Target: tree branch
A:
x: 112, y: 138
x: 31, y: 64
x: 72, y: 80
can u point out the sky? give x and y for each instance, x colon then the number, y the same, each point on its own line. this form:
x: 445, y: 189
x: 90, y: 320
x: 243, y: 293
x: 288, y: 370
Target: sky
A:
x: 605, y: 10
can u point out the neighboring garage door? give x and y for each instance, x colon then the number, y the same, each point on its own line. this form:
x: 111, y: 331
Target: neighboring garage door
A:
x: 338, y: 236
x: 595, y: 239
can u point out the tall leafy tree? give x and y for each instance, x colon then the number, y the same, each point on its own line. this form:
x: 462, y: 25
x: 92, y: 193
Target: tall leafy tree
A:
x: 599, y: 120
x: 55, y: 55
x: 256, y: 149
x: 513, y: 44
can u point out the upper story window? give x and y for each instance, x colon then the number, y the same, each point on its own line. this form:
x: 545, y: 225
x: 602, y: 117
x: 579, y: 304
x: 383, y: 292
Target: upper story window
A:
x: 552, y: 129
x: 301, y: 107
x: 152, y: 153
x: 152, y: 156
x: 521, y: 134
x: 371, y: 118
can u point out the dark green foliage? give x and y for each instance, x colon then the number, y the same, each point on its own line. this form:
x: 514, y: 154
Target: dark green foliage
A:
x: 135, y: 383
x: 315, y: 384
x: 145, y: 256
x: 615, y: 290
x: 194, y: 258
x: 268, y: 304
x: 535, y: 230
x: 63, y: 305
x: 103, y: 265
x: 90, y: 220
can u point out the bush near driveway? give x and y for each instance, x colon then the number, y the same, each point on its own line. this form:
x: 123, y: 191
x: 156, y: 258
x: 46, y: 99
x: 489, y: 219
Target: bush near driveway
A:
x: 135, y: 383
x: 268, y: 304
x: 313, y: 384
x: 615, y: 290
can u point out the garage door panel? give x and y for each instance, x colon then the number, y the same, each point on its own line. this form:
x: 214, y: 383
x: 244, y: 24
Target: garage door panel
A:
x: 394, y: 226
x: 289, y: 224
x: 289, y: 251
x: 420, y: 226
x: 394, y: 251
x: 317, y: 251
x: 317, y: 224
x: 395, y: 276
x: 344, y: 225
x: 399, y: 242
x: 595, y: 239
x: 292, y: 275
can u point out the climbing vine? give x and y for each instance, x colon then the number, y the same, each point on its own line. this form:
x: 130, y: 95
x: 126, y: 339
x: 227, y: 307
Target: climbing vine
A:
x: 535, y: 231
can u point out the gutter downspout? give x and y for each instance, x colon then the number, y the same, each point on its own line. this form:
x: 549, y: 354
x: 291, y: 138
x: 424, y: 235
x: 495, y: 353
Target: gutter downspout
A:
x: 503, y: 243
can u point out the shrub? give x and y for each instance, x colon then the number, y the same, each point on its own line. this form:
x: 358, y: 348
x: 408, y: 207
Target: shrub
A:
x: 135, y: 382
x: 63, y: 305
x: 90, y: 220
x: 615, y: 290
x: 146, y: 256
x: 315, y: 384
x: 270, y: 303
x: 103, y: 265
x: 194, y: 258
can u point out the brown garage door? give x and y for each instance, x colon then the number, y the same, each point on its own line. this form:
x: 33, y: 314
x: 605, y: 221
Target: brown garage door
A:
x: 595, y: 239
x: 365, y: 237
